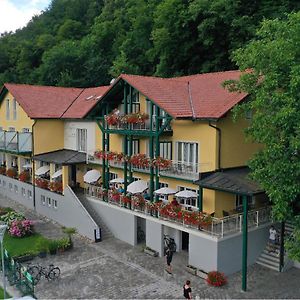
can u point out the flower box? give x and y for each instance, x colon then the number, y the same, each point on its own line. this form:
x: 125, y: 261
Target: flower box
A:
x: 191, y: 269
x: 151, y: 252
x: 202, y: 274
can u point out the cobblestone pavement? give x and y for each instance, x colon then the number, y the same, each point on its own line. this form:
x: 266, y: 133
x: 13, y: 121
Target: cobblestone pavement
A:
x: 115, y: 270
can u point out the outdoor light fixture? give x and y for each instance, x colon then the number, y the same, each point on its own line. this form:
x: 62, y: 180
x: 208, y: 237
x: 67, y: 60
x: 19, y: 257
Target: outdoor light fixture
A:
x: 3, y: 227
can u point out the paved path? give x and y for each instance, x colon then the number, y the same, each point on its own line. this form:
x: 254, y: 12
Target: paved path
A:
x: 115, y: 270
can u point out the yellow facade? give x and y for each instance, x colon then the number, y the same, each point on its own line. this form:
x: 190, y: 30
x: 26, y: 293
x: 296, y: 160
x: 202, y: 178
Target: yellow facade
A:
x: 22, y: 120
x: 48, y: 136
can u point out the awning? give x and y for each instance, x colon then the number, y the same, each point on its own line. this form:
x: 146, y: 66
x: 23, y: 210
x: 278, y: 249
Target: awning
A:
x: 137, y: 187
x: 232, y: 180
x: 42, y: 170
x: 27, y: 166
x: 165, y: 191
x: 117, y: 180
x: 186, y: 194
x: 62, y: 157
x: 57, y: 174
x: 91, y: 176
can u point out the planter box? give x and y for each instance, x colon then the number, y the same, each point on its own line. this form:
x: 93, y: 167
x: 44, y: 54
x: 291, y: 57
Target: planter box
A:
x: 202, y: 274
x: 191, y: 269
x: 24, y: 258
x: 151, y: 252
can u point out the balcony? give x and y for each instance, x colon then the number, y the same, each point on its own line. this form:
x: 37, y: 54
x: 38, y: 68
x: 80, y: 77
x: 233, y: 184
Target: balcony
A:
x: 122, y: 124
x: 17, y: 142
x: 199, y: 221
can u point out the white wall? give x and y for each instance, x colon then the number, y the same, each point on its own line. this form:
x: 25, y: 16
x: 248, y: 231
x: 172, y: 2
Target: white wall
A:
x: 70, y: 134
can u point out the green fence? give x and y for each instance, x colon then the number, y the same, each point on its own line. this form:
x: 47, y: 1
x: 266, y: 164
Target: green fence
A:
x: 18, y: 276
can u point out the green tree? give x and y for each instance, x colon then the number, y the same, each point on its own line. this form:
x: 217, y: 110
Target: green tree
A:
x: 273, y: 81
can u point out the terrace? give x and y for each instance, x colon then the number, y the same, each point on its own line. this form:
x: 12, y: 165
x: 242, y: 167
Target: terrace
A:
x: 199, y: 221
x: 17, y: 142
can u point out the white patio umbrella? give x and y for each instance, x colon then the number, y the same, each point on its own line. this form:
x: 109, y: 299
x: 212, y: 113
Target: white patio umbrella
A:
x: 165, y: 191
x: 91, y: 176
x: 57, y: 174
x: 136, y: 187
x: 27, y: 166
x: 186, y: 194
x: 117, y: 180
x: 42, y: 170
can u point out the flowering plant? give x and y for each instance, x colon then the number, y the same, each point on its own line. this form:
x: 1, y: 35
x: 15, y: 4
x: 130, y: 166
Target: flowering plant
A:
x: 102, y: 192
x: 42, y: 183
x: 113, y: 118
x: 20, y: 228
x: 138, y: 201
x: 125, y: 199
x: 24, y: 176
x: 114, y: 195
x: 140, y: 160
x: 216, y: 278
x: 56, y: 186
x: 161, y: 163
x: 11, y: 173
x: 2, y: 170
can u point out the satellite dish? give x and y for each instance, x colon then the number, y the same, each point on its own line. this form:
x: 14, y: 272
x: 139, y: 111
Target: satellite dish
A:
x: 112, y: 81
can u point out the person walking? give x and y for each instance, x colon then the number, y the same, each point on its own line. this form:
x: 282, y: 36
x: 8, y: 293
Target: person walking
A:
x: 187, y: 291
x: 272, y: 239
x: 169, y: 257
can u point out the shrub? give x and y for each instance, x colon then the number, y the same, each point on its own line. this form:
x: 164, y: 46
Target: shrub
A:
x: 216, y: 278
x: 11, y: 216
x: 21, y: 228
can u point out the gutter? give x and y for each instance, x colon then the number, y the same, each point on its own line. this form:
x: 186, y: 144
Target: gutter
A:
x: 33, y: 166
x: 219, y: 143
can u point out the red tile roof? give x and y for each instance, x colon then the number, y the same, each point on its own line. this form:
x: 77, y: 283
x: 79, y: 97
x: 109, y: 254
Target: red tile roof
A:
x: 41, y: 102
x: 198, y: 96
x: 85, y: 102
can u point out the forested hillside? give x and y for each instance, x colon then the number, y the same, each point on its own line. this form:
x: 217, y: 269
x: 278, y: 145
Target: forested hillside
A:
x: 87, y: 42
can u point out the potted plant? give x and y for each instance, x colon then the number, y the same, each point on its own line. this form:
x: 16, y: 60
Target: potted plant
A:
x: 191, y: 269
x: 12, y: 172
x: 42, y: 247
x: 53, y: 244
x: 63, y: 244
x: 216, y: 278
x: 70, y: 231
x: 24, y: 176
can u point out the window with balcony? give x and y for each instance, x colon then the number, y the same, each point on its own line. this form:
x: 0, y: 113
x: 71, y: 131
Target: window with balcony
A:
x: 81, y: 139
x: 135, y: 146
x: 14, y: 109
x: 165, y: 150
x: 187, y: 155
x: 7, y: 109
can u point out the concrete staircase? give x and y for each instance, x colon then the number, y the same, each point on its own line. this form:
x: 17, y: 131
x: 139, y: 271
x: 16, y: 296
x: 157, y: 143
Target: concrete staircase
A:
x: 271, y: 260
x: 106, y: 233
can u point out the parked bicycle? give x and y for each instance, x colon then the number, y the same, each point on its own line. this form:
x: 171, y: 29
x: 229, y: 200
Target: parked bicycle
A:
x: 37, y: 271
x: 169, y: 243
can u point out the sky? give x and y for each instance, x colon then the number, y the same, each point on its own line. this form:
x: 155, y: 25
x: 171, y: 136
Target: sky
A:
x: 16, y: 14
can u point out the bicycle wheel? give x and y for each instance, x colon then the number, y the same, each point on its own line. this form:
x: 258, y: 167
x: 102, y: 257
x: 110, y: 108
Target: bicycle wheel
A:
x: 54, y: 273
x: 34, y: 271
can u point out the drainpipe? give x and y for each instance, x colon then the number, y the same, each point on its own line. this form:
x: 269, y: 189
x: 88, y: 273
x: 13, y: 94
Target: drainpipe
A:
x: 219, y: 144
x: 33, y: 165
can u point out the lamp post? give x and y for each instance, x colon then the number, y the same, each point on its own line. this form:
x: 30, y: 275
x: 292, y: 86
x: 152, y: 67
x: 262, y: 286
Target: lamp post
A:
x: 3, y: 227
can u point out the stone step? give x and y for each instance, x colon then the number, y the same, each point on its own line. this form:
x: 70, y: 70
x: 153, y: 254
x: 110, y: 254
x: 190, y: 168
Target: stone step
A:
x: 268, y: 266
x: 270, y: 256
x: 269, y: 262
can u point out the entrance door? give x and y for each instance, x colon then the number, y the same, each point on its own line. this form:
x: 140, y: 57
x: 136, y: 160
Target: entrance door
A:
x: 72, y: 176
x: 185, y: 241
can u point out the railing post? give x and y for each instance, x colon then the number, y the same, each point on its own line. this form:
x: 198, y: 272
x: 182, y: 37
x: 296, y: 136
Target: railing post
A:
x: 241, y: 221
x: 222, y: 228
x: 257, y: 218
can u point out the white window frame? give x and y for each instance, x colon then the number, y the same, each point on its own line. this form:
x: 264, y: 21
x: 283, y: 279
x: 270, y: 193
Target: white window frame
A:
x: 81, y: 139
x: 165, y: 149
x: 14, y: 109
x: 7, y: 109
x: 164, y: 198
x: 191, y: 162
